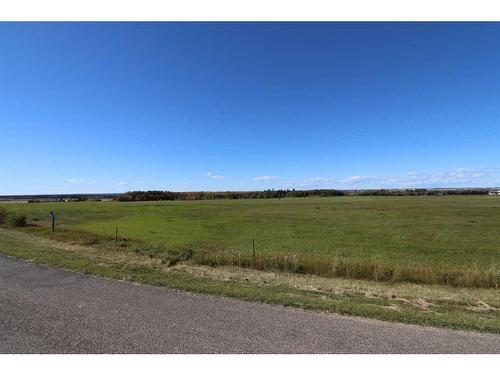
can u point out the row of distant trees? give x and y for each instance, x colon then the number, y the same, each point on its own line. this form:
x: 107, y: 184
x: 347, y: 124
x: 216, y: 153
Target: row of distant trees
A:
x: 415, y: 192
x: 158, y: 195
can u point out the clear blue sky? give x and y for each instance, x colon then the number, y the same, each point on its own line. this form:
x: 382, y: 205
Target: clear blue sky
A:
x: 98, y: 107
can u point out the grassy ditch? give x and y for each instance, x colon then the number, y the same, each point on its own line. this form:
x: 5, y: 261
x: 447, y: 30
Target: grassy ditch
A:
x: 355, y: 269
x: 437, y: 305
x: 325, y: 266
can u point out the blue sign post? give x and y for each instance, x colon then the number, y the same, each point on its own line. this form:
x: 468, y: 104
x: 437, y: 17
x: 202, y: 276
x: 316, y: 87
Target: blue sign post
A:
x: 53, y: 217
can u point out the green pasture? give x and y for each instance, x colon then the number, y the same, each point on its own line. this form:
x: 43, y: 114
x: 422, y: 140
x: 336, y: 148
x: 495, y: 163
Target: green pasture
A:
x: 439, y: 231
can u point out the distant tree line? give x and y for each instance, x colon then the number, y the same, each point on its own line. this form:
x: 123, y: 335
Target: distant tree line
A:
x: 415, y: 192
x: 58, y: 199
x: 158, y: 195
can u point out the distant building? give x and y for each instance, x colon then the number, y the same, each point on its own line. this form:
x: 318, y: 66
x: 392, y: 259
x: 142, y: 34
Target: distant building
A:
x: 494, y: 192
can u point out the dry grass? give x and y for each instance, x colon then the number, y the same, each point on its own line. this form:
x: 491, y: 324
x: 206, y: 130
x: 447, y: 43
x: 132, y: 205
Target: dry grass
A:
x: 423, y: 297
x: 355, y: 269
x: 308, y: 264
x: 441, y: 305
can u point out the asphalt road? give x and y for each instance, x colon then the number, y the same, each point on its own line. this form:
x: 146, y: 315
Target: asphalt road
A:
x: 44, y: 310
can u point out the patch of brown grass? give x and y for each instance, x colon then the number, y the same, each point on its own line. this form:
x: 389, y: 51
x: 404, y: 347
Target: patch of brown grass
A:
x: 481, y: 306
x: 354, y: 269
x: 307, y: 264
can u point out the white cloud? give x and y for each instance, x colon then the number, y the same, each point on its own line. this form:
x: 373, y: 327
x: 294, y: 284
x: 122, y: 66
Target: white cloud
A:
x: 121, y: 183
x: 464, y: 173
x: 80, y: 181
x: 266, y: 178
x: 459, y: 177
x: 317, y: 181
x: 355, y: 180
x: 215, y: 176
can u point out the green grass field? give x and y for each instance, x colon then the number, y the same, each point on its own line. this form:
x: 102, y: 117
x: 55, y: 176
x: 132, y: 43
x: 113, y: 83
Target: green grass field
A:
x: 426, y: 235
x: 426, y: 260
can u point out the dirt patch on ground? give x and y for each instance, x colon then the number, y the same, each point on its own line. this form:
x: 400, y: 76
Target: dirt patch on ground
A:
x: 418, y: 302
x: 392, y: 307
x: 328, y: 287
x: 482, y: 307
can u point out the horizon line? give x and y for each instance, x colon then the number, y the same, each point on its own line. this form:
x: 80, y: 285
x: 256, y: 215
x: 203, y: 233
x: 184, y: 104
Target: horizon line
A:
x: 244, y: 191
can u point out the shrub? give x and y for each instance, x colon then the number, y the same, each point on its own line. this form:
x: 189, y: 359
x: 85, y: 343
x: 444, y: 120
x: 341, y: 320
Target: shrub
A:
x: 12, y: 219
x: 172, y: 257
x: 17, y: 220
x: 3, y: 216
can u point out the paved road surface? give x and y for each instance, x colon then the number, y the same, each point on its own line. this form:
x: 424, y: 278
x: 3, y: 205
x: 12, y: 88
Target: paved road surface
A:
x: 44, y: 310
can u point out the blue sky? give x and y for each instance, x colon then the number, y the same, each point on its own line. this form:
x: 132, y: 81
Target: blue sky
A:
x: 102, y: 107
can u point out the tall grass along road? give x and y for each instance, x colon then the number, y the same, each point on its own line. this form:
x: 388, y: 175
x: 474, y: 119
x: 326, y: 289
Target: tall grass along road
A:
x: 44, y: 310
x: 429, y: 304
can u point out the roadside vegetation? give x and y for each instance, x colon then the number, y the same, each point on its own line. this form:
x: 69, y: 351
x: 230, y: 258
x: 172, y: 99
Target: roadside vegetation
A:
x: 12, y: 219
x: 317, y: 265
x: 444, y: 306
